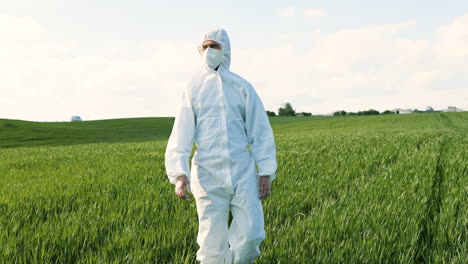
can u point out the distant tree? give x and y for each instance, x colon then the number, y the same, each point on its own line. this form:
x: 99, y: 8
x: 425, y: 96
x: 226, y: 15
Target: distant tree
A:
x: 430, y: 108
x: 369, y: 112
x: 386, y: 112
x: 286, y: 110
x: 270, y: 113
x: 303, y: 114
x: 340, y: 113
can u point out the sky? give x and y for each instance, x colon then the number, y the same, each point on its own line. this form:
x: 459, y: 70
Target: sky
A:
x: 115, y: 59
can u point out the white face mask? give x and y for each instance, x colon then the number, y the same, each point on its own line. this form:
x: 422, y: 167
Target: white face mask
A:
x: 212, y: 57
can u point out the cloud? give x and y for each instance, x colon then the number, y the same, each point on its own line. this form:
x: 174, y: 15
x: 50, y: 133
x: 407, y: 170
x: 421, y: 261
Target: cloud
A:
x: 368, y: 67
x: 18, y: 29
x: 320, y: 72
x: 453, y: 39
x: 44, y: 79
x: 314, y: 12
x: 306, y: 12
x: 286, y: 12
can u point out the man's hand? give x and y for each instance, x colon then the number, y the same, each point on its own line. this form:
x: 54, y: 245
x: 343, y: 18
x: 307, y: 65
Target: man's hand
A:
x: 180, y: 187
x: 264, y: 187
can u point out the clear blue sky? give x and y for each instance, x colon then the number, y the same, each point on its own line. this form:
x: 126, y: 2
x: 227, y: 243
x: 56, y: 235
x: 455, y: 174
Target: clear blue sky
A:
x: 107, y: 59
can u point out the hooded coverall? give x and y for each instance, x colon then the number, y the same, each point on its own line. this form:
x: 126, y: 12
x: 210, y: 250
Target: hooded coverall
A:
x: 223, y: 115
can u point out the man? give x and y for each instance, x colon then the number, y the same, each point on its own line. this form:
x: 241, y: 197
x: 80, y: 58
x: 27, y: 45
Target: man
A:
x: 223, y: 115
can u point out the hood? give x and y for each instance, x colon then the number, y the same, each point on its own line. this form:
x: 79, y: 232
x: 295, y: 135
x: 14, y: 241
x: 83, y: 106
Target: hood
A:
x: 220, y: 35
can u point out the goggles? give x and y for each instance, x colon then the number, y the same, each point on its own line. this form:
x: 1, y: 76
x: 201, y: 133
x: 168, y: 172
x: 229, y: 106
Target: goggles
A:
x: 212, y: 45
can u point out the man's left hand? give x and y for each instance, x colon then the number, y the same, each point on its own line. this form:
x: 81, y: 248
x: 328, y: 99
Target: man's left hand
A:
x: 264, y: 187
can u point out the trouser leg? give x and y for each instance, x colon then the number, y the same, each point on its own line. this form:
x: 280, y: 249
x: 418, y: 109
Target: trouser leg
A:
x: 246, y: 232
x: 213, y: 211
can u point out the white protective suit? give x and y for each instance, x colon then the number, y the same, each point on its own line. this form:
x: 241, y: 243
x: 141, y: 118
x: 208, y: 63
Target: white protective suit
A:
x: 222, y: 114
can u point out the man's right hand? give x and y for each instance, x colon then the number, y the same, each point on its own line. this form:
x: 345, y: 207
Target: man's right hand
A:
x: 182, y: 187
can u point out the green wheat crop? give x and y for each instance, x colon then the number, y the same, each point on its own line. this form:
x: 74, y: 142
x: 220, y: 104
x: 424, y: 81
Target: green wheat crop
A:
x: 364, y: 189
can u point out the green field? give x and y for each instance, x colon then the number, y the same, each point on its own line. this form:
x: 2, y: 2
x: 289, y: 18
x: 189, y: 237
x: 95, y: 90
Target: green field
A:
x: 362, y: 189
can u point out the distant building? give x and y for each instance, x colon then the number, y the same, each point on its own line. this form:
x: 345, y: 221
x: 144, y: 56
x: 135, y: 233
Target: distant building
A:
x: 402, y: 111
x: 76, y: 118
x: 453, y: 109
x: 431, y: 111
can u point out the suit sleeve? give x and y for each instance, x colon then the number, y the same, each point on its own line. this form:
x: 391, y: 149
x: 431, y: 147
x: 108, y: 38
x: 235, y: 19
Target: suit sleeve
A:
x: 180, y: 144
x: 260, y: 135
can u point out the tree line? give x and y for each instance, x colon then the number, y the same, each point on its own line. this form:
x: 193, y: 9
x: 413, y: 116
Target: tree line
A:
x: 288, y: 110
x: 366, y: 112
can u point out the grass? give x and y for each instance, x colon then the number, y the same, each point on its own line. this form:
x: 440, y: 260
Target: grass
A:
x: 17, y: 133
x: 375, y: 189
